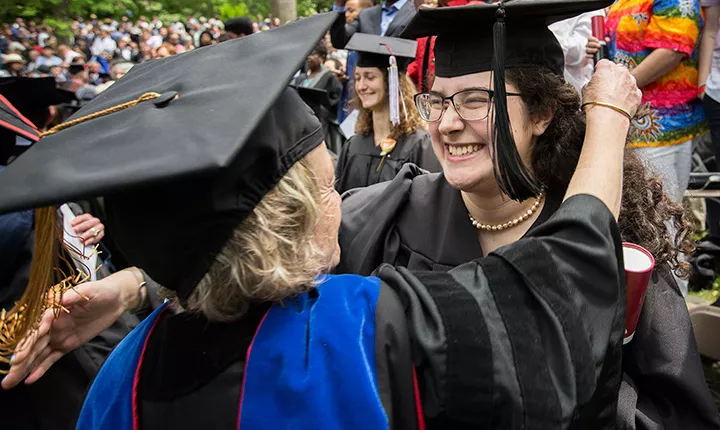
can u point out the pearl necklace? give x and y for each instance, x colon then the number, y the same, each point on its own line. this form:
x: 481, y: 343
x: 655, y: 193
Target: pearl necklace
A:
x: 519, y: 220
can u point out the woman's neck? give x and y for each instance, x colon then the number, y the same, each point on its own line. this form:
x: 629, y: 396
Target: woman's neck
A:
x: 493, y: 207
x: 381, y: 123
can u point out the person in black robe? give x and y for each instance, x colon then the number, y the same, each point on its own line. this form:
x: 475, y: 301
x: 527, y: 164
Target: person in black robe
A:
x: 383, y: 144
x: 663, y: 384
x: 460, y: 384
x: 317, y: 76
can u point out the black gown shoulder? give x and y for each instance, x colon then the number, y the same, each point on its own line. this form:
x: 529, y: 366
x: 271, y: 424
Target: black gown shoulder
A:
x: 528, y: 337
x: 415, y: 222
x: 193, y: 371
x: 358, y: 164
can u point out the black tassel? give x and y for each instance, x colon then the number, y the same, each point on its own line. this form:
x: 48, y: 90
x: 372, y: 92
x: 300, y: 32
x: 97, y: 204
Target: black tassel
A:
x: 512, y: 176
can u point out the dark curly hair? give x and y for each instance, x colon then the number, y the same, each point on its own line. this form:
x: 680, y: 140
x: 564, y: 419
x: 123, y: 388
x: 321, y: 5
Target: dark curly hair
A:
x: 648, y: 216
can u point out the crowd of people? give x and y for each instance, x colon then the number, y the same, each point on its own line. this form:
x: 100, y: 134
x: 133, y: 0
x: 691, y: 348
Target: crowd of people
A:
x: 100, y: 51
x: 405, y: 215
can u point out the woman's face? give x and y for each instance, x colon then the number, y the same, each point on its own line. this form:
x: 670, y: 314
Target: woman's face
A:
x: 370, y: 86
x: 329, y: 226
x: 464, y: 148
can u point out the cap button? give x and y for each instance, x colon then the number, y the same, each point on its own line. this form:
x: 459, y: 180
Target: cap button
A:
x: 165, y: 98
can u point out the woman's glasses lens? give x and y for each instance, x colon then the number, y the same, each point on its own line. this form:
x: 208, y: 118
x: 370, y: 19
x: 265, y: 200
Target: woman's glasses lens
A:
x: 470, y: 105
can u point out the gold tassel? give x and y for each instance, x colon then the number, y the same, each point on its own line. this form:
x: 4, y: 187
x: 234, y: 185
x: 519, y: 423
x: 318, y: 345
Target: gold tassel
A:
x: 42, y: 291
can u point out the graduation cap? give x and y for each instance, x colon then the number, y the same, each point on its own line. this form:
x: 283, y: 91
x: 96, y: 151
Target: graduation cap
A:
x: 375, y: 51
x: 385, y: 52
x: 32, y: 96
x: 314, y: 97
x: 492, y: 37
x: 181, y: 158
x: 14, y: 127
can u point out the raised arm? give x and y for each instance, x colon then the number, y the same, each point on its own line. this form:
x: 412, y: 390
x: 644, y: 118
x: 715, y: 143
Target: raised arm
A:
x: 533, y: 332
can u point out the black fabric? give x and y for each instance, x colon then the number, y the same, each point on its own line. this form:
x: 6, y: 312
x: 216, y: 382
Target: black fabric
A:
x: 193, y: 366
x: 517, y: 311
x: 465, y: 34
x: 425, y: 84
x: 393, y: 361
x: 375, y: 51
x: 357, y: 165
x: 557, y: 390
x: 368, y: 21
x: 664, y: 385
x: 469, y: 357
x: 33, y: 96
x: 197, y: 164
x: 380, y: 224
x: 326, y: 109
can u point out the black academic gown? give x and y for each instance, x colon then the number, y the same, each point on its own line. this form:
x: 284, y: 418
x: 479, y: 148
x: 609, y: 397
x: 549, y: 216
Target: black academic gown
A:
x: 357, y: 165
x: 421, y: 223
x: 481, y: 360
x: 192, y: 370
x: 524, y: 347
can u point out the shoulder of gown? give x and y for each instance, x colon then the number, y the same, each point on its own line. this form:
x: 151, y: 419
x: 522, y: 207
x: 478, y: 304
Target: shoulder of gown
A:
x: 419, y: 150
x: 485, y: 362
x: 369, y: 216
x: 663, y: 381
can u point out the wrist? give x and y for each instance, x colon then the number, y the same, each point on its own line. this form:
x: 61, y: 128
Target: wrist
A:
x: 604, y: 115
x: 132, y: 288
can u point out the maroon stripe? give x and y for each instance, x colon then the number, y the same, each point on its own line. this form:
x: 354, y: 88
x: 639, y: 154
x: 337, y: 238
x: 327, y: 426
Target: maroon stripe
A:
x: 135, y: 412
x: 418, y: 402
x: 17, y: 112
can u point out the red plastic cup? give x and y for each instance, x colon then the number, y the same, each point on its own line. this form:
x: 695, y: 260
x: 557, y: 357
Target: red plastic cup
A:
x: 598, y: 27
x: 639, y: 264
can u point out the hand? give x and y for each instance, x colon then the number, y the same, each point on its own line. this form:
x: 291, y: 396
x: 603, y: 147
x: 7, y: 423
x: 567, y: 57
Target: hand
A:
x: 108, y: 299
x: 614, y: 84
x: 593, y: 46
x: 89, y: 228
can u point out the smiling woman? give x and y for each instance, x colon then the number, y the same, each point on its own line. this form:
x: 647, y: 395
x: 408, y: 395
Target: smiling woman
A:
x: 508, y: 131
x: 380, y: 147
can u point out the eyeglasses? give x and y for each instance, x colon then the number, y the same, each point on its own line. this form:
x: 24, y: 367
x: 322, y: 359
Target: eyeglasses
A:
x: 471, y: 104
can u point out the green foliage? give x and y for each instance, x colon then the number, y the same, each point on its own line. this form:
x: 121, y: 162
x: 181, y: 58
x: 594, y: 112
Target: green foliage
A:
x: 306, y: 7
x: 228, y: 9
x: 59, y: 13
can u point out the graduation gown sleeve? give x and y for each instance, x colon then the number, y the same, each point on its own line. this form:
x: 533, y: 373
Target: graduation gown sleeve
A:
x: 423, y: 155
x: 529, y: 337
x: 663, y: 383
x: 367, y: 235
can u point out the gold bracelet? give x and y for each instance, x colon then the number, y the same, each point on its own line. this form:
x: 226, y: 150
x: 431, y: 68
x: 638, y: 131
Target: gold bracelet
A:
x: 608, y: 105
x: 142, y: 286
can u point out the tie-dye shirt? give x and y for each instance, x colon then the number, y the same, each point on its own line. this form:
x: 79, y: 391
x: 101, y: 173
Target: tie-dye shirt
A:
x: 671, y: 113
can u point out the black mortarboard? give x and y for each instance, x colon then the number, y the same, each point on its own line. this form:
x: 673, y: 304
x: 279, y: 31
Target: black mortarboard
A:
x: 314, y: 97
x: 13, y: 124
x: 182, y: 168
x: 492, y: 37
x: 375, y: 51
x: 32, y: 96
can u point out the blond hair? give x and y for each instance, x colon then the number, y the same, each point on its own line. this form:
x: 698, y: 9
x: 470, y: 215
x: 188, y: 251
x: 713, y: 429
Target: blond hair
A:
x: 272, y: 255
x: 407, y: 126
